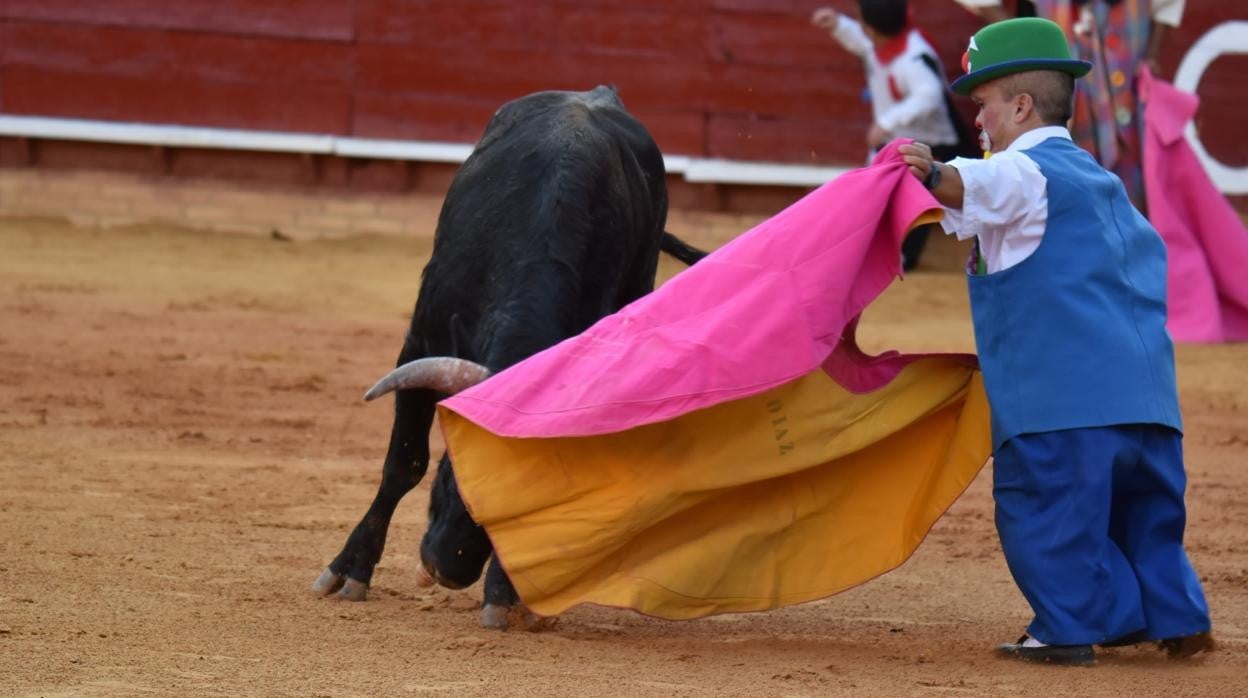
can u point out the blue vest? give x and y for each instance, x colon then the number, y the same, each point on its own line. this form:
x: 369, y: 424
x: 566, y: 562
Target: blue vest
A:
x: 1075, y: 335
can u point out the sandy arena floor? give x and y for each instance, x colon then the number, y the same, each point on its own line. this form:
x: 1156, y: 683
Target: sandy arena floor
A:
x: 183, y: 447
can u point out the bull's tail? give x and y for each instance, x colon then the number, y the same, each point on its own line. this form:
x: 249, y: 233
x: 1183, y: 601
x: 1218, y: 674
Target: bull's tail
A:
x: 686, y: 253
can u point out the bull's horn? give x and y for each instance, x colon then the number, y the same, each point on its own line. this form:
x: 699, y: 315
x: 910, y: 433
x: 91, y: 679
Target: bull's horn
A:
x: 445, y: 374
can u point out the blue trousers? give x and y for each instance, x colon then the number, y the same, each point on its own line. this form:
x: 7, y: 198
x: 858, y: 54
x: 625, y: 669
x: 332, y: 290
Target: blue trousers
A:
x: 1091, y: 522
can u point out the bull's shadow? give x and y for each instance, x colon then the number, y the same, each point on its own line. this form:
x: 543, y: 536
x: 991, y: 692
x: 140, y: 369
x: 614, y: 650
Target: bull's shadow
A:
x: 555, y: 220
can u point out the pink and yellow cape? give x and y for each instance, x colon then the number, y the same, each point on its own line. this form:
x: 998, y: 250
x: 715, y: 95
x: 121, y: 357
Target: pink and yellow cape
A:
x: 722, y: 444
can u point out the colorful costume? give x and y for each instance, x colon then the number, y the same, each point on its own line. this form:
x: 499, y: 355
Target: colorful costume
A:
x: 1114, y: 37
x: 1106, y: 431
x: 1079, y: 370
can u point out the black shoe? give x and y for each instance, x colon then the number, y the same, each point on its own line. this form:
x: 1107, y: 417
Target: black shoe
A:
x: 1064, y: 655
x: 1188, y: 645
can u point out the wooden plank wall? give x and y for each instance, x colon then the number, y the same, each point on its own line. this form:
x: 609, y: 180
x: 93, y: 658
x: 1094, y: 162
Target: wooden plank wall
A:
x: 748, y: 79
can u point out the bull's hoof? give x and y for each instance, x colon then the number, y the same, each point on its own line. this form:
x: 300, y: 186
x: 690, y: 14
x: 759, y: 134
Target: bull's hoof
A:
x: 519, y: 616
x: 353, y: 590
x: 494, y: 617
x: 423, y: 579
x: 348, y: 589
x: 327, y: 583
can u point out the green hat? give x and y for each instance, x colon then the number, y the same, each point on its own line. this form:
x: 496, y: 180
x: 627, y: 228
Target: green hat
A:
x: 1014, y: 46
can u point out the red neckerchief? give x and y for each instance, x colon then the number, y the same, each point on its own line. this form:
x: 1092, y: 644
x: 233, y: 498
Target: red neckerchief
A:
x: 888, y: 51
x: 894, y: 47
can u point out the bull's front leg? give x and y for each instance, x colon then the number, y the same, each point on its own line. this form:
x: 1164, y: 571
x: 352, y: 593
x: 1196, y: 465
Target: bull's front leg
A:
x: 351, y: 571
x: 500, y: 596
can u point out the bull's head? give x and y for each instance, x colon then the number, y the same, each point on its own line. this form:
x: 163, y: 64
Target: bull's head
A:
x: 454, y: 549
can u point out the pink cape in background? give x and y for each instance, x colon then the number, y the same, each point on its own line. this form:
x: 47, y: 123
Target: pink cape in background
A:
x: 1206, y: 242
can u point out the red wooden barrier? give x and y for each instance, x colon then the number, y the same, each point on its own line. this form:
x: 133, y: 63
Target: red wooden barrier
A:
x: 305, y: 19
x: 747, y: 79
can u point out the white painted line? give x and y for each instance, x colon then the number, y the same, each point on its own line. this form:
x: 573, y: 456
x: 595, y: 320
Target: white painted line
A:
x: 160, y: 134
x: 742, y: 172
x: 401, y: 150
x: 1228, y: 37
x: 705, y: 170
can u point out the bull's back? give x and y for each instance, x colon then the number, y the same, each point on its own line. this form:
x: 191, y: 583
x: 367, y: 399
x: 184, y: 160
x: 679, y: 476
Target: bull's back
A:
x: 556, y: 217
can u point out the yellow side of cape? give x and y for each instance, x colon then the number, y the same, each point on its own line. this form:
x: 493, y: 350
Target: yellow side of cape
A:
x: 784, y: 497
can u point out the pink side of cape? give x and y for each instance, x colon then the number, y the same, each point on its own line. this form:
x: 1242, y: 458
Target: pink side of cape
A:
x: 769, y: 307
x: 1206, y: 242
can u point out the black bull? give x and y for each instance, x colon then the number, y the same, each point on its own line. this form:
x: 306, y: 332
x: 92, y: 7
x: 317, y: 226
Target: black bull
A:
x: 555, y: 220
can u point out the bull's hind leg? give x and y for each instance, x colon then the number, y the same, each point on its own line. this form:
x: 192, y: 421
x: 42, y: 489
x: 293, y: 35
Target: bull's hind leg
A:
x: 351, y: 571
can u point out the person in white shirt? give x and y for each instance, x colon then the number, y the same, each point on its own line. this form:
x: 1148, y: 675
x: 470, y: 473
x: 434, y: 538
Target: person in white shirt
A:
x: 909, y: 98
x: 1068, y: 301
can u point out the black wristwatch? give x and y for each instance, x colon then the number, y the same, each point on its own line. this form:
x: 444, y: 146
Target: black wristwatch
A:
x: 932, y: 180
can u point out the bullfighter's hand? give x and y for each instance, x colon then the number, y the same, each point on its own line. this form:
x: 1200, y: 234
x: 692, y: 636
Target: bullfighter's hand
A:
x: 824, y: 18
x: 919, y: 157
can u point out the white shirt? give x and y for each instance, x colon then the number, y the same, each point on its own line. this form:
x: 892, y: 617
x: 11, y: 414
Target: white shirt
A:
x: 1005, y: 201
x: 1168, y: 12
x: 920, y: 113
